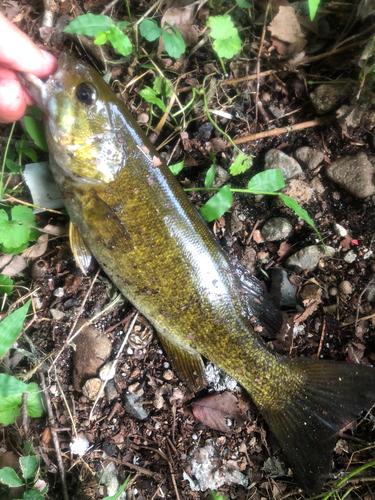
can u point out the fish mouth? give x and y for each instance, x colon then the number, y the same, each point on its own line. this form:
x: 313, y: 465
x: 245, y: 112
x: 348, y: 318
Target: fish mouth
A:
x: 36, y: 88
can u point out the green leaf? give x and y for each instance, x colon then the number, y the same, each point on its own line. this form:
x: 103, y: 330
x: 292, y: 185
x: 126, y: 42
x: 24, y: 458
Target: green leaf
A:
x: 243, y: 4
x: 16, y: 250
x: 120, y: 41
x: 22, y: 148
x: 123, y: 24
x: 6, y: 285
x: 150, y: 96
x: 29, y: 466
x: 174, y: 43
x: 163, y: 87
x: 293, y: 204
x: 28, y: 448
x: 227, y: 41
x: 101, y: 37
x: 119, y: 491
x: 32, y: 495
x: 269, y: 181
x: 9, y: 477
x: 241, y: 164
x: 35, y: 130
x: 11, y: 391
x: 210, y: 177
x: 11, y: 327
x: 313, y: 7
x: 15, y: 233
x: 150, y: 30
x: 89, y: 24
x: 13, y: 166
x: 217, y: 205
x: 176, y: 169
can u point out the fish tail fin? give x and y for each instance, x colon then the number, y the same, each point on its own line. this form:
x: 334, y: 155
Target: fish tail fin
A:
x: 331, y: 396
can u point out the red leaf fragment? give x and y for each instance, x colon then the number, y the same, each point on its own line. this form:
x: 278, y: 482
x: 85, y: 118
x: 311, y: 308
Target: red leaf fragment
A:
x: 214, y: 411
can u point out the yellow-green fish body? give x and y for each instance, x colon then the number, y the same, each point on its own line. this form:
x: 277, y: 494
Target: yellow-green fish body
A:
x: 135, y: 218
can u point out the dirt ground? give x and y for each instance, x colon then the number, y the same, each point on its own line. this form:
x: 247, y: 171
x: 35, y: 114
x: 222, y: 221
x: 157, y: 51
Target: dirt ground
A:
x: 156, y: 450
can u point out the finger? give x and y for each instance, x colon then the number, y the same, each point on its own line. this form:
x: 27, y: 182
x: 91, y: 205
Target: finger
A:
x: 19, y: 53
x: 12, y: 97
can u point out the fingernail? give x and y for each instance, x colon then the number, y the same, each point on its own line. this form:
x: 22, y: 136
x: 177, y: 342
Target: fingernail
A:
x: 49, y: 57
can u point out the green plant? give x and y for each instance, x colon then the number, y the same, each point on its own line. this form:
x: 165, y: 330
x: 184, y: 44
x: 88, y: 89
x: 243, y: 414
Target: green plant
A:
x: 6, y: 285
x: 313, y: 7
x: 227, y: 42
x: 173, y: 41
x: 104, y: 29
x: 17, y: 229
x: 163, y: 87
x: 217, y: 496
x: 34, y: 487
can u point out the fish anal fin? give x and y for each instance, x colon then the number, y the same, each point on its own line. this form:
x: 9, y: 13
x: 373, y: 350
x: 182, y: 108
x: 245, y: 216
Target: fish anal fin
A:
x: 186, y: 362
x: 332, y: 395
x: 81, y: 253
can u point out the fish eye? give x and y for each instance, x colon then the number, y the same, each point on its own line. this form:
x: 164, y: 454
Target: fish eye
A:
x: 86, y: 93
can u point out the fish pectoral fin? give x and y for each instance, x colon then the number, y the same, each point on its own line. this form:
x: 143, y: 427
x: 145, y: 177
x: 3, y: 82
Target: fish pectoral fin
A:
x: 81, y: 253
x: 332, y: 395
x: 187, y: 362
x: 103, y: 221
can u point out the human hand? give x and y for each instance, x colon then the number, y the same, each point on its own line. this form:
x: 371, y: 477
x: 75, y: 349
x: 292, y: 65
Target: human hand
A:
x: 19, y: 53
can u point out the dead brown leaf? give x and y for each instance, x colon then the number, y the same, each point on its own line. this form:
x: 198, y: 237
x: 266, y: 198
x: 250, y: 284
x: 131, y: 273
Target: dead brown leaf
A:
x: 17, y: 265
x: 310, y: 306
x: 38, y: 249
x: 214, y: 411
x: 286, y: 27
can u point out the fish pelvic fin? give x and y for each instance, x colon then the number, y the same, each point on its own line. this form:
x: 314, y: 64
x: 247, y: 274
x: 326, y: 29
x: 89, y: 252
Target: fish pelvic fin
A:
x: 330, y: 396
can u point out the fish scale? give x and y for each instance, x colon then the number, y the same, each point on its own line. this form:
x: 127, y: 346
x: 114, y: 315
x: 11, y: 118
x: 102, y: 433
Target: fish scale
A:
x: 135, y: 218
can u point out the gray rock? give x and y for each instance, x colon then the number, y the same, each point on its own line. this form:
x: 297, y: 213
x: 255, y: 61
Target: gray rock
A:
x: 326, y: 97
x: 276, y: 228
x: 235, y: 224
x: 350, y: 256
x: 221, y: 176
x: 299, y: 191
x: 282, y: 290
x: 56, y: 314
x: 277, y: 159
x: 111, y: 391
x: 308, y: 258
x: 355, y: 174
x: 133, y: 405
x: 339, y: 230
x: 249, y: 259
x: 309, y: 157
x: 369, y: 294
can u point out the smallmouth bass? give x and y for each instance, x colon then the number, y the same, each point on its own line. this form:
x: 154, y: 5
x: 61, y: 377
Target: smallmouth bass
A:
x: 137, y: 221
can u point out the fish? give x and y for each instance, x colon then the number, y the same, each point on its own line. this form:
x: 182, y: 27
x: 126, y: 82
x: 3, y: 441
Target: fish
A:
x: 135, y: 218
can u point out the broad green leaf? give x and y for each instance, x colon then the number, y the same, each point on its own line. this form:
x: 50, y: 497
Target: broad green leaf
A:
x: 6, y: 285
x: 11, y: 391
x: 210, y: 177
x: 89, y: 24
x: 123, y: 24
x: 213, y: 157
x: 35, y: 130
x: 119, y: 491
x: 150, y: 96
x: 269, y: 181
x: 163, y: 87
x: 22, y: 148
x: 243, y: 4
x: 34, y: 111
x: 28, y: 448
x: 16, y: 250
x: 11, y: 327
x: 101, y: 37
x: 293, y: 204
x: 313, y: 7
x: 13, y: 166
x: 29, y: 466
x: 150, y: 30
x: 241, y: 164
x: 15, y: 233
x: 173, y: 42
x: 217, y: 205
x: 23, y: 214
x: 176, y: 169
x: 9, y: 477
x: 120, y: 41
x: 227, y: 41
x: 32, y: 495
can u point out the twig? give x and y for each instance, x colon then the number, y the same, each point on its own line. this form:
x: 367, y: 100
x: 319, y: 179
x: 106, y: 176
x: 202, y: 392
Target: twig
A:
x: 319, y: 57
x: 352, y: 321
x: 172, y: 473
x: 25, y: 417
x: 114, y: 363
x: 108, y: 7
x: 12, y: 199
x: 284, y: 130
x: 156, y: 4
x: 258, y: 60
x: 55, y: 438
x: 322, y: 337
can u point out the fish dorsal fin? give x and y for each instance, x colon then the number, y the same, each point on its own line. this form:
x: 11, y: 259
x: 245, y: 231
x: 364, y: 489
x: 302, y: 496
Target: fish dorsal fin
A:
x: 331, y: 396
x: 81, y: 253
x: 186, y: 362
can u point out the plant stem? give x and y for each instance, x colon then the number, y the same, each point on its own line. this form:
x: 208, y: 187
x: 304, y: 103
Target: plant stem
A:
x: 4, y: 159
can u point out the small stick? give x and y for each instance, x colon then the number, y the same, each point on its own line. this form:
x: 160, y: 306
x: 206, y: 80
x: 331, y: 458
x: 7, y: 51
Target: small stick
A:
x: 352, y: 321
x: 284, y: 130
x: 108, y: 7
x: 258, y: 60
x: 172, y: 473
x: 52, y: 423
x: 25, y: 417
x: 13, y: 199
x: 322, y: 337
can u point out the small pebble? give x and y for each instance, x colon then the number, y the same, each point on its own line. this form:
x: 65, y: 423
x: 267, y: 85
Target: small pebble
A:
x: 339, y: 230
x: 333, y: 291
x: 350, y: 257
x: 136, y: 389
x: 166, y: 365
x: 345, y: 287
x: 92, y: 387
x: 107, y: 372
x: 59, y: 292
x: 168, y: 375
